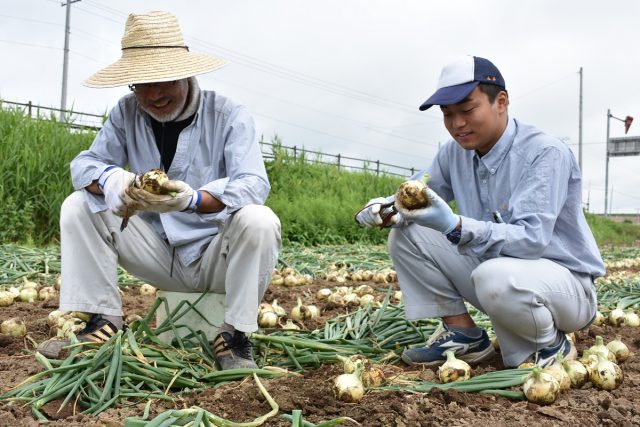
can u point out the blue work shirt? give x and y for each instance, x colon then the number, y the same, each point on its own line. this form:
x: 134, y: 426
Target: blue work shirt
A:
x: 218, y: 153
x: 533, y: 181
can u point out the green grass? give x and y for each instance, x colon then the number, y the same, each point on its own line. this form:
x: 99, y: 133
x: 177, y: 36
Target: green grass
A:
x: 316, y: 203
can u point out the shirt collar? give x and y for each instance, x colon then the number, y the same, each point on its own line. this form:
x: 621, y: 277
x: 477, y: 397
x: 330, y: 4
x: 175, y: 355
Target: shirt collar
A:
x: 493, y: 159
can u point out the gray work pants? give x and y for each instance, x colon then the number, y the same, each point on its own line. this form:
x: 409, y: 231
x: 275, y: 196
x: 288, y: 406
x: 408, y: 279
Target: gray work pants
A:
x: 528, y: 301
x: 237, y: 262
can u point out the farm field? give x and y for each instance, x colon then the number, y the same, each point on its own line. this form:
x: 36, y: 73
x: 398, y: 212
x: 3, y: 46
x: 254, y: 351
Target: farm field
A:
x: 310, y: 389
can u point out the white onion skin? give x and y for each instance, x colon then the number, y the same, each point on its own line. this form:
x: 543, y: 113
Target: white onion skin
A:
x: 6, y: 298
x: 631, y: 319
x: 616, y: 317
x: 541, y: 388
x: 28, y: 295
x: 606, y: 375
x: 267, y: 319
x: 348, y: 387
x: 454, y: 369
x: 558, y: 372
x: 578, y: 373
x: 13, y: 327
x: 619, y: 349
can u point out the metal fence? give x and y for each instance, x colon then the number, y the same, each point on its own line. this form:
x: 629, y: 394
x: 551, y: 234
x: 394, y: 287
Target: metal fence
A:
x: 93, y: 122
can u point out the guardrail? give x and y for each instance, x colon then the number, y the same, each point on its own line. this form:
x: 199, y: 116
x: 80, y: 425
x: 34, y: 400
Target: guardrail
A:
x: 93, y: 122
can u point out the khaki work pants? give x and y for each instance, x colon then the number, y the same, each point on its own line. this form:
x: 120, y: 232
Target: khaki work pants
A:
x: 528, y: 301
x: 237, y: 262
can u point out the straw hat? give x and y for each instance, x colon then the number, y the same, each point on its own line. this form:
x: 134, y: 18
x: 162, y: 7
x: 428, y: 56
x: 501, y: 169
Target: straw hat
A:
x: 153, y: 50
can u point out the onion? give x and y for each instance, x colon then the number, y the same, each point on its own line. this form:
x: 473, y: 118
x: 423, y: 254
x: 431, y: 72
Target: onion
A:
x: 309, y: 312
x: 14, y: 327
x: 336, y: 298
x: 15, y: 292
x: 600, y: 348
x: 397, y: 295
x: 351, y: 299
x: 355, y: 277
x: 28, y: 283
x: 296, y: 312
x: 453, y: 369
x: 631, y: 319
x: 379, y: 278
x: 288, y: 271
x: 52, y: 318
x: 557, y: 371
x: 392, y: 276
x: 28, y: 295
x: 264, y: 307
x: 58, y: 283
x: 348, y: 387
x: 527, y: 365
x: 47, y: 293
x: 606, y: 375
x: 589, y: 360
x: 616, y: 317
x: 277, y: 280
x: 291, y: 280
x: 540, y: 387
x: 367, y: 299
x: 81, y: 315
x: 323, y: 294
x: 6, y: 298
x: 349, y: 364
x: 147, y: 290
x: 364, y: 290
x: 619, y: 349
x: 412, y: 195
x: 367, y: 275
x: 599, y: 319
x: 373, y: 376
x: 289, y: 325
x: 267, y: 319
x: 277, y: 309
x: 578, y: 373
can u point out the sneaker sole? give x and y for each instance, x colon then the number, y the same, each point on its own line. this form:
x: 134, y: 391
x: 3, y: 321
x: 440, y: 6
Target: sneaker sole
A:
x: 472, y: 358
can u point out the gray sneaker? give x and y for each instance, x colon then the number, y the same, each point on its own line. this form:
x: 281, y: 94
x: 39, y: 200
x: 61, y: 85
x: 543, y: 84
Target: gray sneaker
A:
x: 233, y: 351
x: 98, y: 330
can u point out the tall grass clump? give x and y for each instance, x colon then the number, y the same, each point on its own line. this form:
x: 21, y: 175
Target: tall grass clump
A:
x: 611, y: 233
x: 316, y: 203
x: 34, y: 177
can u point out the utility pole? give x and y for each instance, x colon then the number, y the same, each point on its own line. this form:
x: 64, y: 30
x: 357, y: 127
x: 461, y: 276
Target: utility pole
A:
x: 580, y: 127
x: 65, y: 62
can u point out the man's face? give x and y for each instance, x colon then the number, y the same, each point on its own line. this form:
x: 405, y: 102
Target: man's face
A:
x: 475, y: 123
x: 163, y: 101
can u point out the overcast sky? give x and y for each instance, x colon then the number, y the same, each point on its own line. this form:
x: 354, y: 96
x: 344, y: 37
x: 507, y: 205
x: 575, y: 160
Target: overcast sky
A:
x: 347, y: 76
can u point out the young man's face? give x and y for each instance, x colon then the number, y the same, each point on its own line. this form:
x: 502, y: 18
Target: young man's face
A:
x: 475, y: 123
x: 163, y: 101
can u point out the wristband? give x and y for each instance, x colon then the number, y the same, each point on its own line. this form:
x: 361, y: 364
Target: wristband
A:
x: 454, y: 235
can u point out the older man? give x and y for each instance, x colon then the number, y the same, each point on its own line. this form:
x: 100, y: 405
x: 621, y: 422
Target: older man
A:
x: 212, y: 234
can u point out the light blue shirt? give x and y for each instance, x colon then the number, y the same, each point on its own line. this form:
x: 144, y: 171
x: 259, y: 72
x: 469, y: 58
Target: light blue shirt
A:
x: 532, y: 179
x: 218, y: 153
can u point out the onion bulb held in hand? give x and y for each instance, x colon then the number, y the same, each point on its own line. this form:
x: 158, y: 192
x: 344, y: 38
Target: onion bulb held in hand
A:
x: 411, y: 195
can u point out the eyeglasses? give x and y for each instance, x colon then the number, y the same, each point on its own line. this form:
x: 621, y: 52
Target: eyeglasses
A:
x: 140, y: 87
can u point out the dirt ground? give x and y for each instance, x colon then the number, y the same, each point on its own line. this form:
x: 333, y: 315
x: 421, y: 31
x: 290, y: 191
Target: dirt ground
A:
x: 311, y: 392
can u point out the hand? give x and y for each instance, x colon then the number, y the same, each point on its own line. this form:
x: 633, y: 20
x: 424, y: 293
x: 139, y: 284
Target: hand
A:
x: 179, y: 197
x: 438, y: 215
x: 113, y: 182
x: 372, y: 214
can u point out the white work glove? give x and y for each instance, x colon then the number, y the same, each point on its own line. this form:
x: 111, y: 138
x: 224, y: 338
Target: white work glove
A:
x: 372, y: 215
x: 437, y: 216
x: 183, y: 198
x: 113, y: 182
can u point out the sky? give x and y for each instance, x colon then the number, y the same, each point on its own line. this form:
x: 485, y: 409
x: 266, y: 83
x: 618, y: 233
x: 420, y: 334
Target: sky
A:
x: 347, y: 76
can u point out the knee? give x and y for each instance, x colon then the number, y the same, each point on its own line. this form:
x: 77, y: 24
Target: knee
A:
x: 491, y: 283
x: 72, y: 209
x: 259, y: 221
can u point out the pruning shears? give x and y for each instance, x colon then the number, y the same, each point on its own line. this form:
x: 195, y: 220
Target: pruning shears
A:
x: 387, y: 216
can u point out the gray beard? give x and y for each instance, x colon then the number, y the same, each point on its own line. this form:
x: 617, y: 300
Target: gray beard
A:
x: 168, y: 117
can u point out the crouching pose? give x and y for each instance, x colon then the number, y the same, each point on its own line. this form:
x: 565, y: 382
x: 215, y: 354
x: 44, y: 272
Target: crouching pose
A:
x: 520, y: 249
x: 210, y: 234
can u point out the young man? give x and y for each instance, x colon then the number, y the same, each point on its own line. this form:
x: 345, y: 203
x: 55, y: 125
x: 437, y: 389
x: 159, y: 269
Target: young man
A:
x: 520, y: 249
x: 212, y: 235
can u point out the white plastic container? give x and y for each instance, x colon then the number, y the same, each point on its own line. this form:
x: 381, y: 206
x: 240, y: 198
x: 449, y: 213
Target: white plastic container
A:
x: 211, y: 306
